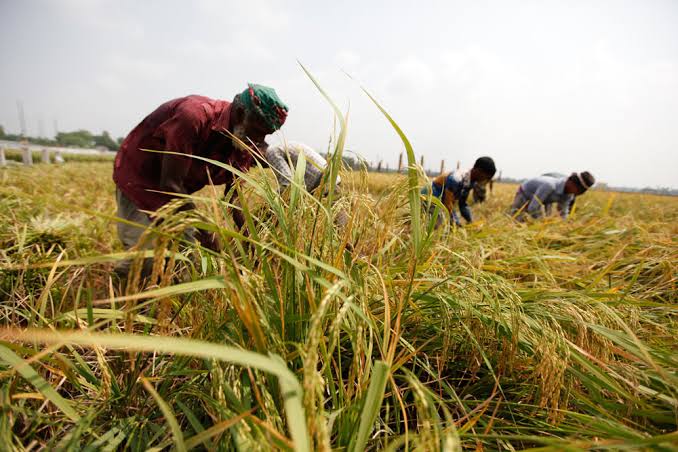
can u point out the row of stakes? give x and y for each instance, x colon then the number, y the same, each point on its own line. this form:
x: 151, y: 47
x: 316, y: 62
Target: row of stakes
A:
x: 27, y: 156
x: 421, y: 163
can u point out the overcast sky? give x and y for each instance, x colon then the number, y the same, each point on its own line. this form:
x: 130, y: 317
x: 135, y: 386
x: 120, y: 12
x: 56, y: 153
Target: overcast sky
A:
x: 538, y: 85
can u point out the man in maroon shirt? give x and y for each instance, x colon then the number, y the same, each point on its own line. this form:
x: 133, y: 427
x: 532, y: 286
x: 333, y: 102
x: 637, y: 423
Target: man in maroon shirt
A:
x: 192, y: 125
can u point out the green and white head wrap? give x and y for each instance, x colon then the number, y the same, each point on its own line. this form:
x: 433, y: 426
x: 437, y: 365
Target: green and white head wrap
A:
x: 265, y: 103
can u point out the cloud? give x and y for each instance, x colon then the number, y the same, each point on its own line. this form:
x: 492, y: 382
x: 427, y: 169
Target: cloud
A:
x: 410, y: 75
x: 476, y: 68
x: 122, y: 74
x: 102, y: 17
x: 110, y: 82
x: 255, y: 15
x: 241, y: 46
x: 347, y: 59
x: 136, y: 68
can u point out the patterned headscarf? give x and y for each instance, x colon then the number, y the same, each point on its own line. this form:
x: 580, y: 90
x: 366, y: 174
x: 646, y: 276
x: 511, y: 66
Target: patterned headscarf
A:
x: 264, y: 102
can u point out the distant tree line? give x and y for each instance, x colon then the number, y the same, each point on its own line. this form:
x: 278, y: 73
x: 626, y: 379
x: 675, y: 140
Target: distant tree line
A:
x: 77, y: 139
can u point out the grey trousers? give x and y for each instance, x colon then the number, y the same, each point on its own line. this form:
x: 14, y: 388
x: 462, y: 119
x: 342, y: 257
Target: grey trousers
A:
x: 130, y: 234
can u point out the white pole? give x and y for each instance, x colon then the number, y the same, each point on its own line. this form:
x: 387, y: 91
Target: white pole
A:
x: 3, y: 159
x: 45, y: 155
x: 27, y: 156
x: 58, y: 157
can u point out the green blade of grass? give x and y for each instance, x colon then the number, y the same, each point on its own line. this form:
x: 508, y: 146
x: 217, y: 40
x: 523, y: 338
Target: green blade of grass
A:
x: 372, y: 406
x: 291, y: 390
x: 214, y: 282
x: 412, y: 177
x: 216, y: 429
x: 38, y: 382
x: 169, y: 416
x: 341, y: 139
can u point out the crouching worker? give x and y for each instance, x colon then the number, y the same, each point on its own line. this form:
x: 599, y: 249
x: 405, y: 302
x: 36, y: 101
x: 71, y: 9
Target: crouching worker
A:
x: 283, y: 158
x: 537, y: 196
x: 191, y: 125
x: 455, y: 187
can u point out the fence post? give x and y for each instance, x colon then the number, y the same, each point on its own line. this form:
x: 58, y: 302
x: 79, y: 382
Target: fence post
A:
x: 27, y: 156
x: 442, y: 166
x: 421, y: 162
x: 379, y: 166
x: 400, y: 163
x: 45, y: 155
x: 3, y: 159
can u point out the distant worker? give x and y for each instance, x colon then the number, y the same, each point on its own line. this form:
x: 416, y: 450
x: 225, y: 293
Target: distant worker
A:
x: 283, y: 158
x: 454, y: 188
x: 536, y: 196
x: 192, y: 125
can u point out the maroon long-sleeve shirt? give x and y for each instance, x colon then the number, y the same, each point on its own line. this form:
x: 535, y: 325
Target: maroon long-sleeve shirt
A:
x: 190, y: 125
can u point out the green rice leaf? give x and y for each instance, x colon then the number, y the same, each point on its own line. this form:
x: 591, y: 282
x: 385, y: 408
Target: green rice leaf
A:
x: 26, y: 371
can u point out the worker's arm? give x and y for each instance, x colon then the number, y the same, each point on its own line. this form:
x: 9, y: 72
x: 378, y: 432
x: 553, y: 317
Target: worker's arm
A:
x: 464, y: 208
x: 536, y: 206
x: 231, y: 198
x: 564, y: 206
x: 455, y: 218
x: 172, y: 175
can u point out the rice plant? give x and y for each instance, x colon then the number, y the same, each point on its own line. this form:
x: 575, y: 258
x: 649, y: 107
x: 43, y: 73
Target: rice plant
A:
x: 383, y: 333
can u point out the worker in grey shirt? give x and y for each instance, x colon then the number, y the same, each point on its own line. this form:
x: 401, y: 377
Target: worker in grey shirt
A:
x: 536, y: 196
x: 283, y: 157
x: 557, y: 174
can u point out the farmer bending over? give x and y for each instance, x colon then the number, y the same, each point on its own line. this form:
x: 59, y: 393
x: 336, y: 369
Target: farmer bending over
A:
x: 454, y: 187
x: 536, y: 196
x: 192, y: 125
x: 283, y: 157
